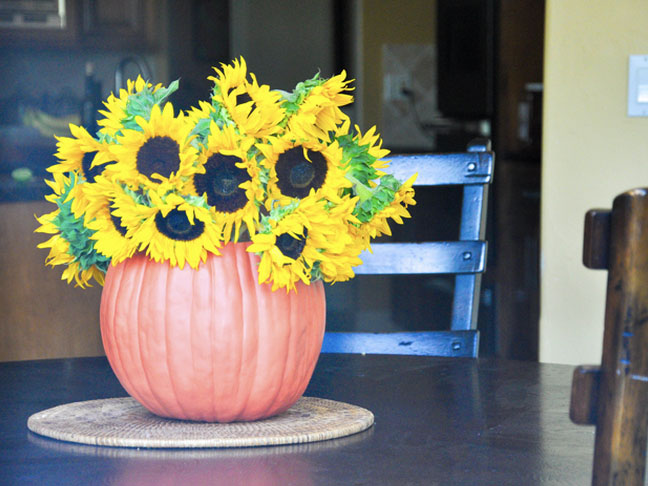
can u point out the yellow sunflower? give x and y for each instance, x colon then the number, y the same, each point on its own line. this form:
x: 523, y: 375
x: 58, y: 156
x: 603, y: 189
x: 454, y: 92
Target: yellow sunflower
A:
x: 81, y: 270
x: 293, y: 242
x: 341, y: 254
x: 254, y: 109
x: 107, y: 202
x: 196, y: 114
x: 178, y: 232
x: 372, y: 143
x: 60, y: 255
x: 83, y: 155
x: 229, y: 180
x: 319, y: 113
x: 115, y: 111
x: 229, y: 76
x: 282, y: 258
x: 161, y: 152
x: 396, y: 210
x: 282, y: 167
x: 338, y: 267
x: 299, y: 170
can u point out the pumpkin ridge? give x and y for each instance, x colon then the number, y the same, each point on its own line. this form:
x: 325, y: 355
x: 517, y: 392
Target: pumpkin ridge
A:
x: 168, y: 271
x: 314, y: 304
x: 194, y: 275
x: 209, y: 268
x: 106, y: 313
x: 240, y: 345
x: 296, y: 311
x: 299, y: 370
x: 150, y: 274
x: 261, y: 290
x: 105, y: 309
x: 318, y: 301
x: 201, y: 333
x: 115, y: 332
x: 278, y: 396
x: 143, y: 369
x: 246, y: 261
x: 233, y: 295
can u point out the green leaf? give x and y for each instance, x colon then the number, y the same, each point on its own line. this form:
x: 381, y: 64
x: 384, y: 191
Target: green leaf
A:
x: 73, y: 230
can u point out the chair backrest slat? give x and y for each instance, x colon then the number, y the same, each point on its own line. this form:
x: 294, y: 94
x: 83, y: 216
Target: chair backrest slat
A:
x: 444, y: 169
x: 434, y: 257
x: 456, y: 344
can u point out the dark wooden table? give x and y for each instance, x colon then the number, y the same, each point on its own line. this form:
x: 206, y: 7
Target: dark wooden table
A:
x: 438, y: 421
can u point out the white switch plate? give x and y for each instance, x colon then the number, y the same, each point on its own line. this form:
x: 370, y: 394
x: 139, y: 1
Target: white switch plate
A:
x: 638, y: 86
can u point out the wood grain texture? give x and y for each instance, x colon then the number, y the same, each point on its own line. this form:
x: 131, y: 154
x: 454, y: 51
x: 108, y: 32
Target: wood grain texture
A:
x: 583, y: 407
x: 596, y: 244
x: 620, y: 446
x: 42, y: 316
x: 622, y: 404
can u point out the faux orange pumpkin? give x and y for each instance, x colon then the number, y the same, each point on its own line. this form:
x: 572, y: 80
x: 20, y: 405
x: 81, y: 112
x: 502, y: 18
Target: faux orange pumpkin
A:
x: 210, y: 344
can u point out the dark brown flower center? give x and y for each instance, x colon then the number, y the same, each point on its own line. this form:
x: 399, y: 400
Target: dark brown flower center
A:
x: 158, y: 155
x: 296, y: 175
x: 241, y: 97
x: 90, y: 172
x: 221, y: 182
x: 290, y: 246
x: 117, y: 223
x: 176, y: 226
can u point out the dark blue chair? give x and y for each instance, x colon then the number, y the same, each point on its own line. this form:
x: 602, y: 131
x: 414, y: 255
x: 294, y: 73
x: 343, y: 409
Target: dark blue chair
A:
x: 464, y: 258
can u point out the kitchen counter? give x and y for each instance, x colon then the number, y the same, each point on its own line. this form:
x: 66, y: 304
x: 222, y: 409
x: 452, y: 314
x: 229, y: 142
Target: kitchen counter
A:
x: 56, y: 318
x: 25, y: 149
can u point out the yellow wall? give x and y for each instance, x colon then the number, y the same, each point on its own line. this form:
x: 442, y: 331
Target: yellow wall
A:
x: 389, y: 22
x: 591, y: 151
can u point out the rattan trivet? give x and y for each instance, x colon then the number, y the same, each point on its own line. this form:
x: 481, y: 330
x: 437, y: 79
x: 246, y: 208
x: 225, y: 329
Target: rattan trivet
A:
x: 122, y: 422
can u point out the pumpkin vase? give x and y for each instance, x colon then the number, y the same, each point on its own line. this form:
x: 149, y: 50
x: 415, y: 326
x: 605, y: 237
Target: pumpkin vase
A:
x: 210, y: 344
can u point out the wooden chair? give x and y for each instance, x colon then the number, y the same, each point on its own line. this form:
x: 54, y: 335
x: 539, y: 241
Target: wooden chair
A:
x: 465, y: 258
x: 614, y: 395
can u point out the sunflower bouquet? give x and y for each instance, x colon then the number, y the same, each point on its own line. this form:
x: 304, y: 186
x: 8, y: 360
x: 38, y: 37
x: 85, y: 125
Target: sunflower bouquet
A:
x: 281, y: 170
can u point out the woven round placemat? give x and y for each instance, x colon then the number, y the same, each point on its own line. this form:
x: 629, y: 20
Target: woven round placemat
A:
x: 123, y: 422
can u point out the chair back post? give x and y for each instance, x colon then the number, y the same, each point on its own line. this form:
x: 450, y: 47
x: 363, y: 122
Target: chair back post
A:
x: 614, y: 397
x: 465, y: 304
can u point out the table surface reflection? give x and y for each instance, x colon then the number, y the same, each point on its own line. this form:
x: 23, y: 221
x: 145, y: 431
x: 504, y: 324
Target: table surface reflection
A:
x: 437, y: 421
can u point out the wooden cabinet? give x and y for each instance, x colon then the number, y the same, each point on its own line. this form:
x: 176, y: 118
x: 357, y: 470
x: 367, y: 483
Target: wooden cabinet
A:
x: 42, y: 316
x: 117, y: 23
x: 100, y: 24
x: 24, y: 36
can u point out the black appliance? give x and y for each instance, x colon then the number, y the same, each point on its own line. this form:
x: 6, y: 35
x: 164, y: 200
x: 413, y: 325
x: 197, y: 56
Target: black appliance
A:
x: 466, y: 51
